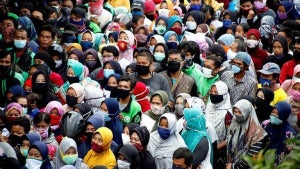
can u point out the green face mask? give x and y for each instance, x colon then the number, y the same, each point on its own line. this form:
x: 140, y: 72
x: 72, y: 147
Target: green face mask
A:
x: 160, y: 29
x: 24, y: 151
x: 69, y: 159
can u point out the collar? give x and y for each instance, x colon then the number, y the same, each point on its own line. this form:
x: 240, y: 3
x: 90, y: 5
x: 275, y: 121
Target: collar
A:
x: 127, y: 108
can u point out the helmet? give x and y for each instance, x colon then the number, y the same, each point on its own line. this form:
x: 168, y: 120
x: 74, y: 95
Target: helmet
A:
x: 72, y: 124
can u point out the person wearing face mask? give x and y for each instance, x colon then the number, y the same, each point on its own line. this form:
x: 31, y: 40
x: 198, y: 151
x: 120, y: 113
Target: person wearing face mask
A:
x: 279, y: 130
x: 286, y: 11
x: 171, y: 39
x: 58, y: 55
x: 177, y: 80
x: 247, y: 14
x: 125, y: 44
x: 264, y: 97
x: 154, y: 81
x: 287, y: 84
x: 239, y: 80
x: 139, y: 138
x: 161, y: 144
x: 67, y: 154
x: 61, y: 20
x: 196, y: 137
x: 269, y: 78
x: 98, y: 13
x: 140, y: 33
x: 209, y: 76
x: 12, y: 112
x: 75, y: 94
x: 38, y: 156
x: 262, y: 10
x: 294, y: 99
x: 175, y: 24
x: 129, y: 107
x: 192, y: 20
x: 128, y: 158
x: 217, y: 107
x: 22, y: 54
x: 92, y: 123
x: 240, y: 140
x: 56, y: 111
x: 158, y: 101
x: 91, y: 59
x: 288, y: 69
x: 41, y: 86
x: 280, y: 51
x: 160, y: 25
x: 27, y: 140
x: 179, y: 107
x: 100, y: 153
x: 93, y: 97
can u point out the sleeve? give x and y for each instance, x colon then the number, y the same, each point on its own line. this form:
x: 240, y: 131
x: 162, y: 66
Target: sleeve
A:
x: 253, y: 88
x: 201, y: 151
x: 283, y: 73
x: 166, y: 87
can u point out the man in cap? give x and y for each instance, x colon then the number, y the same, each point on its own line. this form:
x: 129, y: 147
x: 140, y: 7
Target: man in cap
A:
x: 269, y: 78
x: 238, y: 80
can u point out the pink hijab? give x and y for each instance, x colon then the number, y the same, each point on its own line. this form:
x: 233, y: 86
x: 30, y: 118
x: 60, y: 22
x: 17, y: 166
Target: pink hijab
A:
x: 128, y: 54
x: 288, y: 84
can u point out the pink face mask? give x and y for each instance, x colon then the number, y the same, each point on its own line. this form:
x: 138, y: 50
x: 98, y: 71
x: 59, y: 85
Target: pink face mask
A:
x: 295, y: 94
x: 43, y: 132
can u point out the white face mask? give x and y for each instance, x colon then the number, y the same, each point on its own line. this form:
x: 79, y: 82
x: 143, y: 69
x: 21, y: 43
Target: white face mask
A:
x: 207, y: 72
x: 191, y: 25
x: 163, y: 12
x: 230, y: 54
x: 125, y: 139
x: 58, y: 63
x: 252, y: 43
x: 157, y: 110
x: 33, y: 163
x: 123, y: 164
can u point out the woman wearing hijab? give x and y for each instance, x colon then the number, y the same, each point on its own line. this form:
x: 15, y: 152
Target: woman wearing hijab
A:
x: 195, y: 135
x: 75, y: 94
x: 288, y: 83
x: 286, y: 11
x: 193, y: 19
x: 109, y: 109
x: 159, y: 106
x: 139, y: 138
x: 245, y: 134
x: 280, y: 51
x: 279, y: 130
x: 264, y: 96
x: 67, y: 154
x: 175, y: 24
x: 41, y: 86
x: 128, y: 158
x: 162, y: 142
x: 161, y: 24
x: 56, y: 111
x: 160, y: 56
x: 294, y: 100
x: 225, y: 41
x: 91, y: 59
x: 125, y: 44
x: 76, y: 54
x: 38, y: 156
x: 109, y: 67
x: 141, y: 33
x: 93, y: 97
x: 127, y: 129
x: 100, y: 153
x: 217, y: 107
x: 92, y: 124
x: 12, y: 112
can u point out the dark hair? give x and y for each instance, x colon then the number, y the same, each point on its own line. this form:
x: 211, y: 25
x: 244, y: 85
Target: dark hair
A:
x: 193, y: 48
x: 34, y: 77
x: 78, y: 12
x: 207, y: 8
x: 22, y: 121
x: 136, y: 18
x: 42, y: 117
x: 176, y: 52
x: 110, y: 49
x: 217, y: 60
x: 5, y: 53
x: 145, y: 53
x: 245, y: 27
x: 241, y: 45
x: 15, y: 22
x: 165, y: 49
x: 27, y: 5
x: 22, y: 30
x: 128, y: 79
x: 185, y: 153
x: 50, y: 29
x: 50, y: 10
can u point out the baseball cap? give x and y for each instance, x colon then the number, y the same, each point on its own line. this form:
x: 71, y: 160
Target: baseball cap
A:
x: 270, y: 68
x: 137, y: 5
x: 55, y: 49
x: 243, y: 56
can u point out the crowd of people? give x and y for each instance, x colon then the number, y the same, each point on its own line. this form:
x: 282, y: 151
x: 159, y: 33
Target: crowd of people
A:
x: 146, y: 84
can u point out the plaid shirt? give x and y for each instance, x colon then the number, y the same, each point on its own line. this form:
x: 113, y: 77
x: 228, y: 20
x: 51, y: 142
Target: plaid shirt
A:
x: 246, y: 86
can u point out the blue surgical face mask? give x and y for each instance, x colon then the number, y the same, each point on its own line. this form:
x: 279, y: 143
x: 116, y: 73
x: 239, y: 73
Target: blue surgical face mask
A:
x: 172, y: 45
x: 235, y: 69
x: 20, y: 44
x: 275, y: 120
x: 105, y: 116
x: 108, y: 72
x: 86, y: 45
x: 265, y: 82
x: 164, y: 133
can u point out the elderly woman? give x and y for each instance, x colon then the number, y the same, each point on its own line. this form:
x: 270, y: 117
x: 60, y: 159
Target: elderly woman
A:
x: 165, y: 141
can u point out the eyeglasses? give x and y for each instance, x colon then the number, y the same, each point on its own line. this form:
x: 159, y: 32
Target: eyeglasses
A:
x: 175, y: 60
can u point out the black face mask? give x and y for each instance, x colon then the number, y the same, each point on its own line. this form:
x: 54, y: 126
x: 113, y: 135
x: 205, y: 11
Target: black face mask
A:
x: 15, y: 140
x: 151, y: 17
x: 259, y: 102
x: 4, y: 69
x: 123, y: 93
x: 41, y: 87
x: 215, y: 98
x: 89, y: 135
x: 173, y: 66
x: 113, y: 91
x: 142, y: 70
x: 71, y: 100
x: 296, y: 55
x: 73, y: 79
x: 91, y: 64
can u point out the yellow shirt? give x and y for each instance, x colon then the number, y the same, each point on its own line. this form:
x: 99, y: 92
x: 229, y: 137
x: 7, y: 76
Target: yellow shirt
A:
x: 118, y: 3
x: 279, y: 95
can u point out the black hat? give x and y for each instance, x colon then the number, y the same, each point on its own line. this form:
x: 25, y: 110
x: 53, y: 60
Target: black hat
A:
x: 143, y: 134
x: 70, y: 29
